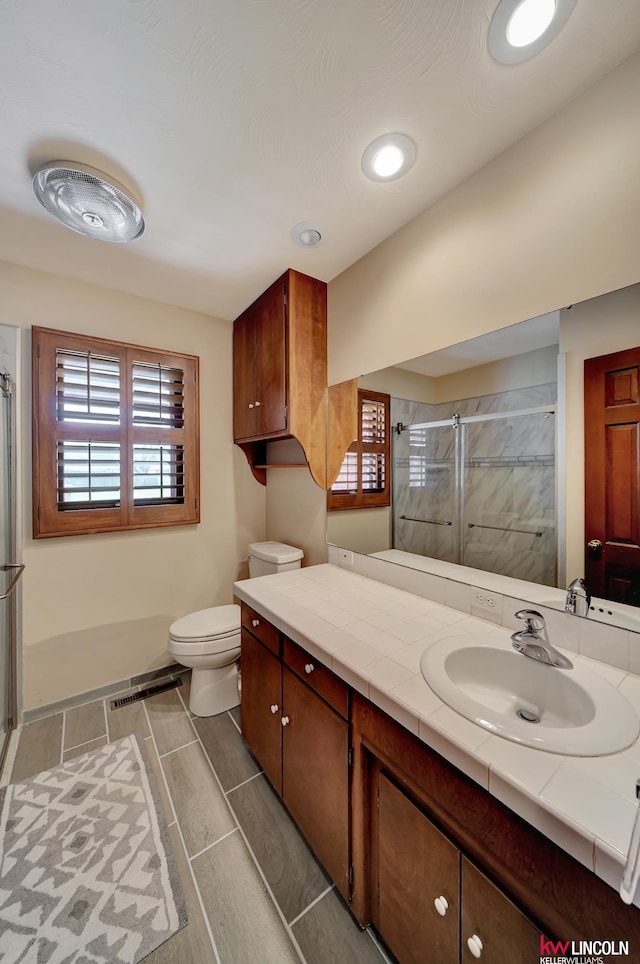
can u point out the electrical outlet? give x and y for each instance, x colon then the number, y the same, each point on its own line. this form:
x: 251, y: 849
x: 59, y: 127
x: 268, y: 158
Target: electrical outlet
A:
x: 486, y: 604
x: 345, y: 557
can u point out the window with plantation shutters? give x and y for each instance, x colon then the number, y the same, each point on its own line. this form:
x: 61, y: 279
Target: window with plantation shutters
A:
x: 363, y: 480
x: 115, y: 436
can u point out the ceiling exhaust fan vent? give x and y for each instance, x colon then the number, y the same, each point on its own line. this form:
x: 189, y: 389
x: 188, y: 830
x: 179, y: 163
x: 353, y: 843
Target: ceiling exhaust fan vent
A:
x: 86, y: 201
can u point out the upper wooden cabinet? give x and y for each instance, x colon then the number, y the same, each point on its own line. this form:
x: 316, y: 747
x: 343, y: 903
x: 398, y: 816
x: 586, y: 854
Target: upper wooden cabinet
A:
x: 280, y: 371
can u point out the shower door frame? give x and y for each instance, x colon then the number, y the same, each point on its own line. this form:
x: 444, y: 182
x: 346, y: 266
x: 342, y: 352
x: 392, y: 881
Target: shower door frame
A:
x: 458, y: 422
x: 9, y: 595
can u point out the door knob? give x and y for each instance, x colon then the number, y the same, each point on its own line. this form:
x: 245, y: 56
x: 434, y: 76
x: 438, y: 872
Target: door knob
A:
x: 441, y: 904
x: 285, y: 720
x: 274, y: 707
x: 475, y: 945
x: 594, y: 545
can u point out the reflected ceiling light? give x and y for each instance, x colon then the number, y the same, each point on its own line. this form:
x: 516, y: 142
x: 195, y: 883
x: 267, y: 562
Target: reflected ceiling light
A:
x: 308, y: 234
x: 388, y: 157
x: 520, y: 29
x: 87, y: 201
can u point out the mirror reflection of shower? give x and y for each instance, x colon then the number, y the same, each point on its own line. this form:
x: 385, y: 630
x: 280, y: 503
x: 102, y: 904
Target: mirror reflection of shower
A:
x: 474, y: 482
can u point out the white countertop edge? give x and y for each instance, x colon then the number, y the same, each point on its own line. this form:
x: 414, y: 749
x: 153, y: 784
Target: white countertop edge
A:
x: 587, y: 847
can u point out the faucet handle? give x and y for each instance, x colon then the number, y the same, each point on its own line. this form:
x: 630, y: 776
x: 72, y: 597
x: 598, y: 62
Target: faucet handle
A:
x: 533, y: 620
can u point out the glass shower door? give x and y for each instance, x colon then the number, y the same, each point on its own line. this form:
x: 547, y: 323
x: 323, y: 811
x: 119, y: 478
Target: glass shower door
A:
x: 508, y: 510
x: 9, y: 573
x: 425, y: 482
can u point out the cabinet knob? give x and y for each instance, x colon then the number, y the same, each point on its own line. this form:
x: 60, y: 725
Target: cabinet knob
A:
x: 309, y: 667
x: 441, y: 904
x: 475, y: 945
x: 258, y: 404
x: 274, y: 707
x: 255, y: 622
x: 285, y: 720
x: 250, y: 404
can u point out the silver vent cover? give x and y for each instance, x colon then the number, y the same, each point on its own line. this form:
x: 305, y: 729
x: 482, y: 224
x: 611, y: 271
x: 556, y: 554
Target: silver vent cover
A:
x: 87, y: 202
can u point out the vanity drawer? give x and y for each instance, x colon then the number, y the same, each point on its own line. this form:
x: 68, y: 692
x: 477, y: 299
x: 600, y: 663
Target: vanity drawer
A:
x: 265, y: 631
x: 318, y: 677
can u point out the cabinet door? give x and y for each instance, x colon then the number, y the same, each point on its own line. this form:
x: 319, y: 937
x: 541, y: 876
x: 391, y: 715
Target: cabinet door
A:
x: 270, y: 350
x: 416, y: 865
x: 261, y: 692
x: 506, y: 934
x: 315, y: 776
x: 244, y: 419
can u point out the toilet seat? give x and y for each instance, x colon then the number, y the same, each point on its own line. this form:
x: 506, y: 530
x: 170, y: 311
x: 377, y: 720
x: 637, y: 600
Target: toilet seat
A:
x: 219, y: 622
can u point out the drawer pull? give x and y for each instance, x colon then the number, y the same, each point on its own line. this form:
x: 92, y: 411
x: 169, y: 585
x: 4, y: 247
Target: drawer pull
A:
x: 274, y: 707
x: 258, y: 404
x: 285, y: 720
x: 475, y: 945
x: 441, y: 904
x: 255, y: 622
x: 309, y: 667
x: 250, y: 404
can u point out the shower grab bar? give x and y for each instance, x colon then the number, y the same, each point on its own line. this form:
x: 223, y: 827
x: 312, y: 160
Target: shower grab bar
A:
x: 14, y: 581
x: 432, y: 522
x: 526, y: 532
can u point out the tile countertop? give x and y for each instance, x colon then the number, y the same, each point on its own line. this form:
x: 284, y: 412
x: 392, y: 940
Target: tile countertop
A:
x: 372, y: 635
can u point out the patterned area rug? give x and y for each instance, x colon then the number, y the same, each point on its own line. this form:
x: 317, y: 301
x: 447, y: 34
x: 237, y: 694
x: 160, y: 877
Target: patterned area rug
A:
x: 87, y: 874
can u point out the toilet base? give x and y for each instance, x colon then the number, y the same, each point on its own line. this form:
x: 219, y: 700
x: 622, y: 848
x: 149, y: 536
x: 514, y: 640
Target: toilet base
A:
x: 214, y: 690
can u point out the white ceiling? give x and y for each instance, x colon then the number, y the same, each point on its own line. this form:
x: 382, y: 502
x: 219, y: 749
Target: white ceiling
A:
x: 236, y: 119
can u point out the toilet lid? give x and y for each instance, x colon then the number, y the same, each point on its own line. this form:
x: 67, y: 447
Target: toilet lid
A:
x: 218, y: 622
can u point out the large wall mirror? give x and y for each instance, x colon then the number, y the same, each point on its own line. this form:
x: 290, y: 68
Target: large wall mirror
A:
x: 487, y: 462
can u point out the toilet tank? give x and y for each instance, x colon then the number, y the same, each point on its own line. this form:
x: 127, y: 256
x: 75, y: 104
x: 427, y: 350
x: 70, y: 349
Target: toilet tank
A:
x: 269, y: 557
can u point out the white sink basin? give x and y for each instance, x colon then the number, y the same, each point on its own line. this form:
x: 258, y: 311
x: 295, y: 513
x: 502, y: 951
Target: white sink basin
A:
x: 574, y: 711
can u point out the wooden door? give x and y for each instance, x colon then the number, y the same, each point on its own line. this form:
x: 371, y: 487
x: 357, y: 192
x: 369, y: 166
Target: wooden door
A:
x: 506, y: 934
x: 269, y: 321
x: 315, y: 775
x: 244, y: 419
x: 414, y: 865
x: 612, y: 466
x: 261, y: 692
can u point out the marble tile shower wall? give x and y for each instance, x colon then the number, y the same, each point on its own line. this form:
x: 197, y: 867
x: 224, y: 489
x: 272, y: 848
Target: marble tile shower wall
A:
x: 508, y: 482
x: 608, y: 644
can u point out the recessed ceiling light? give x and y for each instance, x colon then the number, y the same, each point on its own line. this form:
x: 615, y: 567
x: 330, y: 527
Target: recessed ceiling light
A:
x: 520, y: 29
x: 388, y: 157
x: 308, y: 234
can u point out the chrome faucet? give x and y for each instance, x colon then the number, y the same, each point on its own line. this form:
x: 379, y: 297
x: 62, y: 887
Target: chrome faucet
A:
x: 578, y: 598
x: 529, y: 642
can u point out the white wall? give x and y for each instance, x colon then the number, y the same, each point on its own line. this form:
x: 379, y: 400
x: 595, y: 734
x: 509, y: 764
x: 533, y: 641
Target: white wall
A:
x: 97, y: 608
x: 595, y: 327
x: 538, y: 367
x: 553, y: 220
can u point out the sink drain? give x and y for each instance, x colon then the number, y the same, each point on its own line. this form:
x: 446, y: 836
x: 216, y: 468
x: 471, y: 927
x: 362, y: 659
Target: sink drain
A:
x: 528, y: 716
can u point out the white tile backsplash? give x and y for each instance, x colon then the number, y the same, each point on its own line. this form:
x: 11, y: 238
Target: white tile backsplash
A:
x: 606, y: 643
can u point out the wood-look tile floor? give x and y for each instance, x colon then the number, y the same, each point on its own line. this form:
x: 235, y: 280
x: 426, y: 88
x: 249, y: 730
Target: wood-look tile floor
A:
x: 254, y: 891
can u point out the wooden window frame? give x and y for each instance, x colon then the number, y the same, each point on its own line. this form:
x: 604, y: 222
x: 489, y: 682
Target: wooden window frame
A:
x: 49, y: 520
x: 360, y: 498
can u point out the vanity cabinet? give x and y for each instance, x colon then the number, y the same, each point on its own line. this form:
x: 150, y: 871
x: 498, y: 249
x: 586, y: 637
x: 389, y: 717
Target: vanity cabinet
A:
x: 514, y: 883
x: 295, y: 722
x: 280, y: 371
x: 431, y: 903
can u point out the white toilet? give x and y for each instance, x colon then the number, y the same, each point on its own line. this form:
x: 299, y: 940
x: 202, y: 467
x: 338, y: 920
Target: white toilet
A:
x: 209, y: 640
